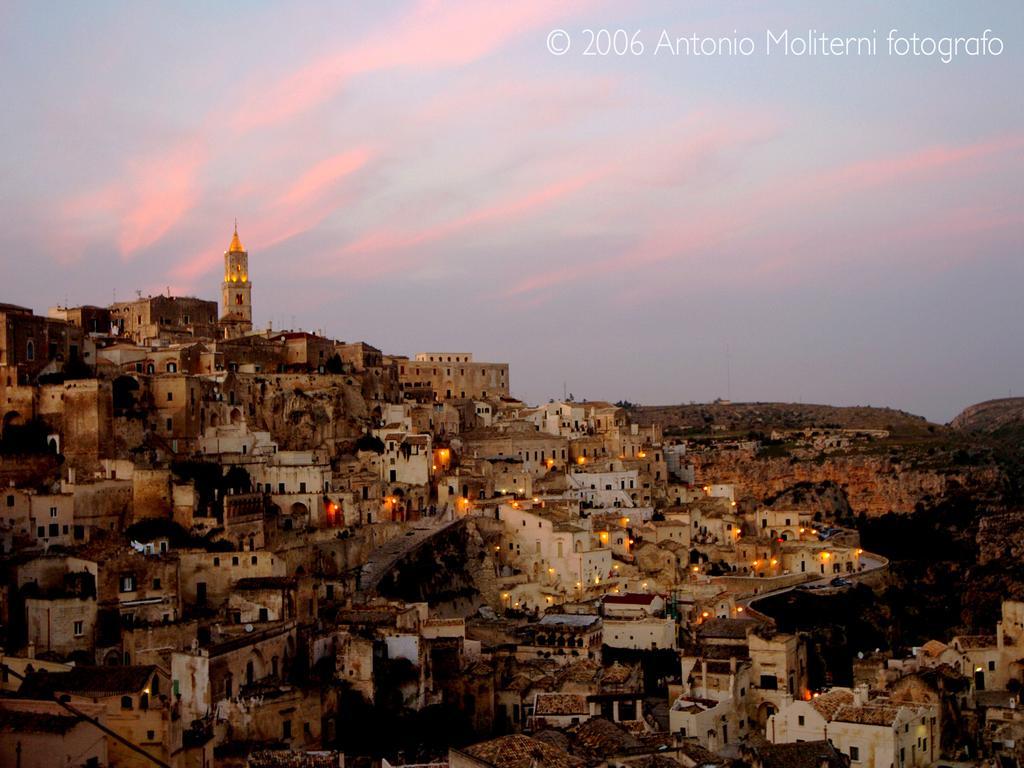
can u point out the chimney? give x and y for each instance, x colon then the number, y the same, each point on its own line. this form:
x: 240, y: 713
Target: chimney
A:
x: 704, y: 678
x: 732, y: 665
x: 860, y: 695
x: 31, y: 650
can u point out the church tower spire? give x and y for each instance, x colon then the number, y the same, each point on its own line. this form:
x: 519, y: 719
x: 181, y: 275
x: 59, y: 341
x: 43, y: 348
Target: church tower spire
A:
x: 236, y: 290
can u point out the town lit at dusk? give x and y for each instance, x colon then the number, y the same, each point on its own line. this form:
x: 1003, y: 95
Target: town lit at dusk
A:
x: 479, y: 384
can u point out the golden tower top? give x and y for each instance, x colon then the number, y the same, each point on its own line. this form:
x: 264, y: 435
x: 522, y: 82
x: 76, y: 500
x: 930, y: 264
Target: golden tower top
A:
x: 236, y: 244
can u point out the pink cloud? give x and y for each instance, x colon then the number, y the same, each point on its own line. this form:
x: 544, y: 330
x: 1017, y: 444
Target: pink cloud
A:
x: 154, y: 195
x: 705, y: 232
x: 161, y: 191
x: 163, y: 187
x: 435, y: 35
x: 322, y: 176
x: 510, y: 208
x: 312, y: 197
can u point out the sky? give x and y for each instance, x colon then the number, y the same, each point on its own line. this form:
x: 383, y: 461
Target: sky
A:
x: 426, y: 175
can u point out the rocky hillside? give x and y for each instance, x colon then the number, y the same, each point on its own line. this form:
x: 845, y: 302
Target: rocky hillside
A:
x: 868, y: 483
x: 917, y: 465
x: 992, y: 416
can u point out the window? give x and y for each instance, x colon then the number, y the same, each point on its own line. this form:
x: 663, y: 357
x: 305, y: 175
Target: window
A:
x: 54, y: 529
x: 79, y: 628
x: 126, y: 702
x: 128, y: 582
x: 150, y: 735
x: 286, y: 729
x: 170, y: 397
x: 855, y: 753
x: 10, y: 500
x: 800, y: 720
x: 156, y: 583
x: 234, y: 561
x: 53, y: 512
x: 991, y: 666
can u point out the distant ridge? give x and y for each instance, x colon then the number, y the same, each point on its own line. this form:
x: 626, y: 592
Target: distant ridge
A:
x: 766, y: 416
x: 991, y: 416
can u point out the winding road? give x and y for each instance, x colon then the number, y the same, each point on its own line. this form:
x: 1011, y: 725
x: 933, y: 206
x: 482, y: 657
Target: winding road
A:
x: 385, y: 557
x: 870, y: 562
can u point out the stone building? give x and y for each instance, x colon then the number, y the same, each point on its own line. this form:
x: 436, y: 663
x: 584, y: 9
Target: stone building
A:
x: 150, y: 319
x: 30, y: 344
x: 452, y: 375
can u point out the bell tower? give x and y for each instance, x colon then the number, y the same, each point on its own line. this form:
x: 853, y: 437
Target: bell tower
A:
x: 236, y: 294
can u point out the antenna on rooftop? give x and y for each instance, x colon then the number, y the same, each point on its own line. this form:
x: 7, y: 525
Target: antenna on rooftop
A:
x: 138, y: 292
x: 728, y: 374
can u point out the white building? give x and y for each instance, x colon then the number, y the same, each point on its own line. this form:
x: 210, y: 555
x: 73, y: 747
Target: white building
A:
x: 642, y: 634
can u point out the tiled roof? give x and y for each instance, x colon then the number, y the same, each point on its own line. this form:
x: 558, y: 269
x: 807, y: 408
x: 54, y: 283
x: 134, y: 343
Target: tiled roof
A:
x: 519, y: 751
x: 582, y: 620
x: 803, y: 754
x: 603, y: 738
x: 555, y: 738
x: 933, y: 648
x: 87, y: 681
x: 617, y: 674
x: 582, y: 671
x: 975, y: 642
x: 829, y: 703
x: 560, y: 704
x: 701, y: 756
x: 869, y: 714
x: 728, y: 629
x: 288, y: 759
x: 266, y: 582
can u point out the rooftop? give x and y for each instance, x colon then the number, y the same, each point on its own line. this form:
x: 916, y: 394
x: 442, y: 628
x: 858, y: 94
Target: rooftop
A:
x: 519, y: 751
x: 827, y: 704
x: 14, y: 721
x: 87, y: 681
x: 561, y: 704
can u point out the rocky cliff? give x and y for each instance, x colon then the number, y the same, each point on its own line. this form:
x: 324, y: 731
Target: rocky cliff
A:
x: 872, y: 484
x: 302, y: 417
